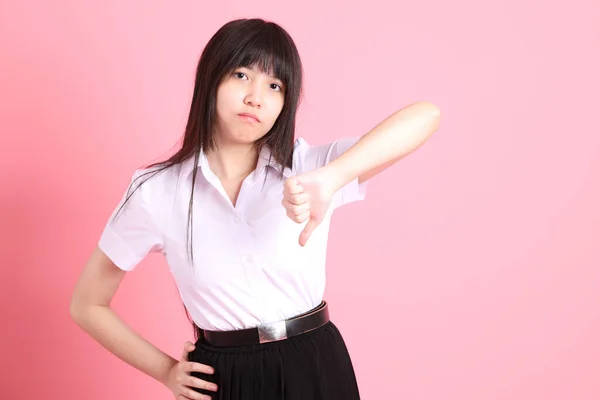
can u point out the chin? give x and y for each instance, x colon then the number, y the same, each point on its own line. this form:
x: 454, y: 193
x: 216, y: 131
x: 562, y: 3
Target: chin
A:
x: 242, y: 134
x: 248, y: 136
x: 244, y: 139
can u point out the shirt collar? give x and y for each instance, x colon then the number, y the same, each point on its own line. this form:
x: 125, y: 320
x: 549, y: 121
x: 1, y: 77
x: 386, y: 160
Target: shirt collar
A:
x: 264, y: 161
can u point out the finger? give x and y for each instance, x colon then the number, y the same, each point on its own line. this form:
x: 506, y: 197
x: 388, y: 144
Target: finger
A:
x: 194, y: 396
x: 294, y: 209
x: 307, y: 231
x: 197, y: 367
x: 299, y: 218
x: 300, y: 210
x: 293, y: 187
x: 295, y: 216
x: 197, y: 396
x: 187, y: 348
x: 298, y: 198
x: 201, y: 384
x: 188, y: 393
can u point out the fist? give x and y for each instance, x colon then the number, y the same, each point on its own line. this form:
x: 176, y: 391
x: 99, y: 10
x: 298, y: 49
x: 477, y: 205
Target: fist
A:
x: 307, y: 197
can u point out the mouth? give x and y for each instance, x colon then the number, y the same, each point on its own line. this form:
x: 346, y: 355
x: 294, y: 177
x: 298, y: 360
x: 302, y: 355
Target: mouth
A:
x: 249, y: 117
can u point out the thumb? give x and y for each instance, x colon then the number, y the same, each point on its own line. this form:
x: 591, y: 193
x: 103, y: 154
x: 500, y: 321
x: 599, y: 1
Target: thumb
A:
x: 187, y: 347
x: 308, y: 230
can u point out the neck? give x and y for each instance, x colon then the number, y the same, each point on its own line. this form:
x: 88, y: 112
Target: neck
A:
x: 232, y: 161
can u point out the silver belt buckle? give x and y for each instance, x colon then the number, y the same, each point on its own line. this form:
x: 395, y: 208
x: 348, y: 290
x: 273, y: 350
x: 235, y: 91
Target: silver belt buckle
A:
x: 272, y: 332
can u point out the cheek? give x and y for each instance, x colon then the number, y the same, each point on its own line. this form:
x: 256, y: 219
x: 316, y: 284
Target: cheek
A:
x: 225, y: 100
x: 276, y: 108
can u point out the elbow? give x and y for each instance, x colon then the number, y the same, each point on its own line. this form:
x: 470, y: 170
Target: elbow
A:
x: 432, y: 115
x: 432, y: 111
x: 427, y: 113
x: 77, y: 310
x: 429, y: 116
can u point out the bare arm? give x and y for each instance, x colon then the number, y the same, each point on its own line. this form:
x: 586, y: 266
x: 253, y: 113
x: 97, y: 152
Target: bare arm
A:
x: 391, y: 140
x: 90, y: 309
x: 309, y: 195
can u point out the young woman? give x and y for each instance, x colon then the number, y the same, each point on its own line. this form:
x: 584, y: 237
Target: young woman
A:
x: 241, y: 213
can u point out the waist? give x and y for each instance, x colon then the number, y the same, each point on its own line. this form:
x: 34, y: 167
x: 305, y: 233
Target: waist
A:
x: 269, y: 332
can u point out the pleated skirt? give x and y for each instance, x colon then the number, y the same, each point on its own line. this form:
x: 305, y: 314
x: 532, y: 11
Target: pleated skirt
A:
x: 315, y: 365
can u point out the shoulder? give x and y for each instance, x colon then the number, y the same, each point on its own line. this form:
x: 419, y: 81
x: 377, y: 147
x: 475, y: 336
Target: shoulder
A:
x: 150, y: 185
x: 308, y: 156
x: 303, y: 148
x: 147, y: 179
x: 134, y: 228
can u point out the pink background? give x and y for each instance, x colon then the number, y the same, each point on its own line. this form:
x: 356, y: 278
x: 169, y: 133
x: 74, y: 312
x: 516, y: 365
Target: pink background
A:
x: 471, y: 270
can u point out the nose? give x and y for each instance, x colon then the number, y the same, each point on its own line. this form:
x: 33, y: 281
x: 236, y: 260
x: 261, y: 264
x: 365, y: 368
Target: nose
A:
x: 254, y: 97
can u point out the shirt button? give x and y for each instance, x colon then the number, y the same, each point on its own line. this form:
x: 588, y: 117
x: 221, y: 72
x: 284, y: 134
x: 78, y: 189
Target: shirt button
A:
x: 238, y: 219
x: 247, y: 259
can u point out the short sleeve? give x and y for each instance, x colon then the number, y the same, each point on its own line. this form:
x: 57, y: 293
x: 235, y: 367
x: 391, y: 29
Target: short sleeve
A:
x: 313, y: 157
x: 131, y: 232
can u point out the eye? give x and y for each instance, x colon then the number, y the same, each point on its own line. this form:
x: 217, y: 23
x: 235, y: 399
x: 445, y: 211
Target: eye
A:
x: 276, y: 87
x: 239, y: 75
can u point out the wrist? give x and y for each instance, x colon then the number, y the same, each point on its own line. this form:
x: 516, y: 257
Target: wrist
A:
x: 335, y: 175
x: 166, y: 371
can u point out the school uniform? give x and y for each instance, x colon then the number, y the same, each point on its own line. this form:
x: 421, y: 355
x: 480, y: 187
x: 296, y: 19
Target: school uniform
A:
x: 249, y: 274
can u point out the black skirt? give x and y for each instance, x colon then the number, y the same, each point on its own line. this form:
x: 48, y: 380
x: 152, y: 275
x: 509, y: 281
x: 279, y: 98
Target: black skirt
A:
x: 315, y: 365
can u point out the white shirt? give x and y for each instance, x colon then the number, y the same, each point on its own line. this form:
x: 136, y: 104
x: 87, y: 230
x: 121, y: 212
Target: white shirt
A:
x: 248, y: 266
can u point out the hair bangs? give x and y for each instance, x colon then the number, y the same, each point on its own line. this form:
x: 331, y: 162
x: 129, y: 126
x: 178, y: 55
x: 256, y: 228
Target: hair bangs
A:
x: 271, y: 51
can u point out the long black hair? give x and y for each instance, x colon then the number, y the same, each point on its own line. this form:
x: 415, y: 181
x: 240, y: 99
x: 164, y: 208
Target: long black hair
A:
x: 239, y: 43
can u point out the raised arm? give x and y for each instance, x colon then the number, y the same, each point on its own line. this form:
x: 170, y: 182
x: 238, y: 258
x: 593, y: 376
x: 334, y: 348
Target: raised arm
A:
x: 309, y: 195
x: 391, y: 140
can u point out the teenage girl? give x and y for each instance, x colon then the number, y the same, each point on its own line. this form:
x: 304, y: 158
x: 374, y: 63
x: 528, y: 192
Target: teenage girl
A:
x: 241, y: 214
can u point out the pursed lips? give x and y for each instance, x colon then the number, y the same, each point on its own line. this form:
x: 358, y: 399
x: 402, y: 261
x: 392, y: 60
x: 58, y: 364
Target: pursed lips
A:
x: 249, y: 117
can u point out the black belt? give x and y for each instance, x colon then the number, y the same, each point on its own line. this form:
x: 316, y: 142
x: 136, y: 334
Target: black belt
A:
x: 271, y: 332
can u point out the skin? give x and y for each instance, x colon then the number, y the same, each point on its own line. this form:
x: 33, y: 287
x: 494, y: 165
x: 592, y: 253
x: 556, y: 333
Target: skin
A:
x: 306, y: 199
x: 245, y: 91
x: 308, y: 196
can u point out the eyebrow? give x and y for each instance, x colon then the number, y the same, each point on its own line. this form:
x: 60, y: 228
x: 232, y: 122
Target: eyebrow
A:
x: 255, y: 69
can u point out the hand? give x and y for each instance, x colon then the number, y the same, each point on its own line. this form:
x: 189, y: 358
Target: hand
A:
x: 180, y: 381
x: 307, y: 197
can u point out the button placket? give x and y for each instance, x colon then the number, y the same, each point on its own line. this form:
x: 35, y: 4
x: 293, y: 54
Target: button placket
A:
x: 245, y: 249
